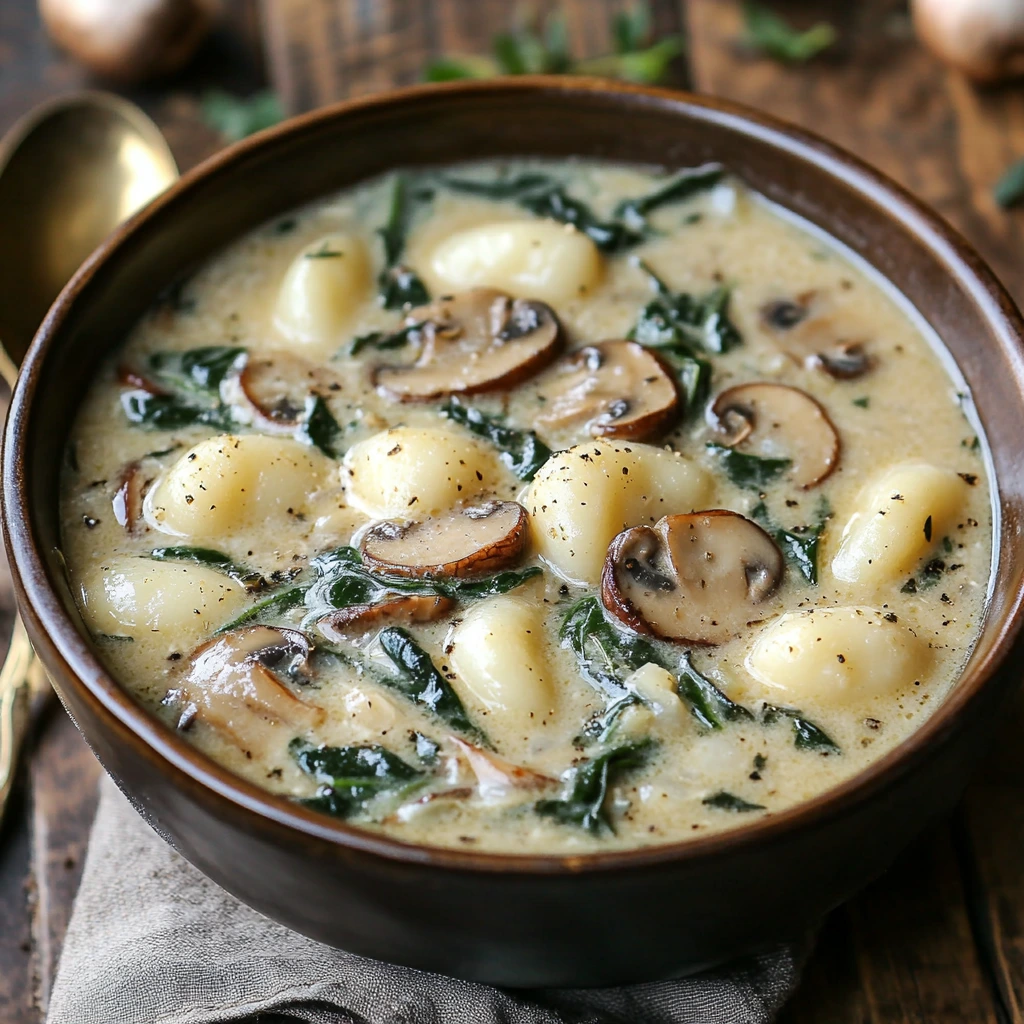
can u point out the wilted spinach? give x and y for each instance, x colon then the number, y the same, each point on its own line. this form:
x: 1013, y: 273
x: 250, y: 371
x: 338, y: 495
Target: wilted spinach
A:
x: 750, y: 471
x: 683, y: 186
x: 385, y: 340
x: 252, y: 579
x: 709, y: 705
x: 584, y: 802
x: 724, y: 801
x: 351, y: 777
x: 806, y: 735
x: 275, y: 604
x: 319, y: 428
x: 199, y: 370
x: 420, y: 681
x: 522, y: 451
x: 398, y: 285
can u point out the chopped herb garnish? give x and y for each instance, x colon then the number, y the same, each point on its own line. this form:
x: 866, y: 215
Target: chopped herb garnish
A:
x: 587, y: 787
x: 768, y: 33
x: 420, y: 681
x: 806, y: 735
x: 750, y: 471
x: 171, y: 412
x: 325, y: 252
x: 863, y: 402
x: 522, y: 451
x: 351, y: 777
x: 723, y: 801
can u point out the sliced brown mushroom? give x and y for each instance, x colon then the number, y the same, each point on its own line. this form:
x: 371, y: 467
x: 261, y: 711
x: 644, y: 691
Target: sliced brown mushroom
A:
x: 479, y: 340
x: 232, y: 683
x: 466, y: 542
x: 127, y: 502
x: 275, y: 386
x: 495, y: 776
x: 810, y: 336
x: 617, y: 388
x: 697, y: 578
x: 406, y: 609
x: 777, y: 421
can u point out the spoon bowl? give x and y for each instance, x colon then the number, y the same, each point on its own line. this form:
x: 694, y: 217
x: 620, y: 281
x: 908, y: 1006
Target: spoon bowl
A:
x: 70, y: 171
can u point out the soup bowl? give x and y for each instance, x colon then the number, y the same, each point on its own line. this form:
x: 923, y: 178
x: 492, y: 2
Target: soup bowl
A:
x: 600, y: 919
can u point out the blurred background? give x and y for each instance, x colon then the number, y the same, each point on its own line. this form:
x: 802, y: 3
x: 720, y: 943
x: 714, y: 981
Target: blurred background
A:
x: 928, y: 94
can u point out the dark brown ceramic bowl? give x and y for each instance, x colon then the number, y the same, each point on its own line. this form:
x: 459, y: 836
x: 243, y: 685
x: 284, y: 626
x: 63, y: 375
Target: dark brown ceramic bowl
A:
x: 525, y: 921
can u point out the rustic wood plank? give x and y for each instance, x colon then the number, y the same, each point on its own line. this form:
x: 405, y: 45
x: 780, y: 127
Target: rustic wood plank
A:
x: 17, y: 894
x: 321, y: 52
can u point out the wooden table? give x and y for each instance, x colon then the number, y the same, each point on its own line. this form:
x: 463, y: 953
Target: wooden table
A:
x: 940, y: 938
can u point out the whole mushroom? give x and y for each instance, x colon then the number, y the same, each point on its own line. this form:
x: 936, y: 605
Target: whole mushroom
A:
x: 129, y: 40
x: 982, y: 38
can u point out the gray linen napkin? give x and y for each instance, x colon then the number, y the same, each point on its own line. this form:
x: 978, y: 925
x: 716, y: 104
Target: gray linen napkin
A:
x: 153, y: 940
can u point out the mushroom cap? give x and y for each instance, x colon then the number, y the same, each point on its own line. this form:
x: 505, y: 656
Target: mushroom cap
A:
x: 478, y: 340
x: 697, y: 578
x: 275, y: 386
x: 809, y: 333
x: 619, y: 389
x: 778, y: 421
x: 402, y: 609
x: 463, y: 542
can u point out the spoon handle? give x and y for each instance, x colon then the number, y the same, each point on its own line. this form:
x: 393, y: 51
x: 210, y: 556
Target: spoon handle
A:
x: 15, y: 680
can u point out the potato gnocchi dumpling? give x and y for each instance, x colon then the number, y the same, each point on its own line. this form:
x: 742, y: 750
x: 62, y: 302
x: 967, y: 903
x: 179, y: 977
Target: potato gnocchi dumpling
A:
x: 899, y: 518
x: 541, y: 508
x: 231, y: 484
x: 409, y: 472
x: 164, y: 602
x: 500, y: 662
x: 583, y: 497
x: 323, y: 288
x: 526, y: 258
x: 836, y: 657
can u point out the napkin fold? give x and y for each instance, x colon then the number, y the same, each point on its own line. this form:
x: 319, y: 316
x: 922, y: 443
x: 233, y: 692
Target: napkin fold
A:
x: 153, y: 941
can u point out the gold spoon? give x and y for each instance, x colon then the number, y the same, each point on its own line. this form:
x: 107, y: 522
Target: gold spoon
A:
x: 71, y: 170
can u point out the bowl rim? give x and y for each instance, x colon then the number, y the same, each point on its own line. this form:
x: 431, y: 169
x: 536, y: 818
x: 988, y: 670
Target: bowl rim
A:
x: 65, y: 644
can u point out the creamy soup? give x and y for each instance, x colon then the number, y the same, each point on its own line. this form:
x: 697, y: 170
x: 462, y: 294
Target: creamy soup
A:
x: 533, y: 508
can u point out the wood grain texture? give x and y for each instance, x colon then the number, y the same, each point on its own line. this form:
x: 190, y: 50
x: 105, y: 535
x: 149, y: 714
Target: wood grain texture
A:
x: 321, y: 51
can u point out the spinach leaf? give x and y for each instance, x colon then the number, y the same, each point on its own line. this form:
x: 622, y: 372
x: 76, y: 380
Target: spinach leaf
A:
x: 749, y: 471
x: 671, y: 318
x: 215, y: 560
x: 709, y: 705
x: 800, y: 546
x: 282, y: 601
x: 692, y: 373
x: 609, y: 236
x: 421, y: 682
x: 382, y: 340
x: 767, y: 32
x: 398, y: 285
x: 522, y: 451
x: 198, y: 370
x: 583, y: 804
x: 806, y: 735
x: 319, y: 427
x: 499, y: 189
x: 342, y: 581
x: 683, y: 186
x: 350, y: 777
x: 605, y: 653
x: 171, y: 412
x: 724, y: 801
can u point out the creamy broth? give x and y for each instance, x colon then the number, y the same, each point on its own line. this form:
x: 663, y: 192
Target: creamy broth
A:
x: 500, y: 679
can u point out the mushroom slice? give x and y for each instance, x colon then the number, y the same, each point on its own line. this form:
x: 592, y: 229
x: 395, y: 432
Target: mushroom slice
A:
x: 479, y: 340
x: 407, y: 609
x: 467, y: 542
x: 618, y: 388
x: 127, y: 502
x: 233, y: 683
x: 777, y: 421
x: 495, y: 776
x: 697, y: 578
x: 276, y: 385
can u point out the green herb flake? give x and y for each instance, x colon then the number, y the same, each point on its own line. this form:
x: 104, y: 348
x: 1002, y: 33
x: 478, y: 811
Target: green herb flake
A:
x: 862, y: 402
x: 583, y: 804
x: 522, y: 451
x: 766, y: 32
x: 235, y: 117
x: 723, y: 801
